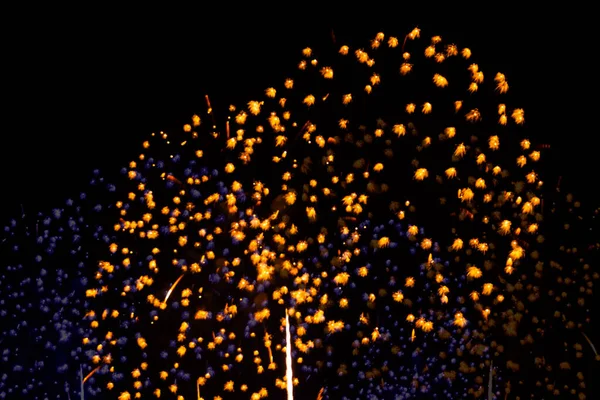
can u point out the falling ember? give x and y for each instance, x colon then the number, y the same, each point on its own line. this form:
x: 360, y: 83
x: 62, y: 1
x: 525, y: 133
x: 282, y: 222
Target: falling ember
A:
x: 591, y: 344
x: 320, y: 395
x: 209, y: 107
x: 267, y: 340
x: 288, y: 359
x: 172, y: 288
x: 88, y: 376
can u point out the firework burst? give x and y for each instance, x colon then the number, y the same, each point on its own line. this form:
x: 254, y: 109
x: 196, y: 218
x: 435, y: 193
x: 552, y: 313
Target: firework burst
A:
x: 371, y: 227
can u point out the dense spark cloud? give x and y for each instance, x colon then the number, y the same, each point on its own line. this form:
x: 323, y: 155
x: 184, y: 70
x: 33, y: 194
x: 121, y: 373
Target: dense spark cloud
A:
x: 384, y: 200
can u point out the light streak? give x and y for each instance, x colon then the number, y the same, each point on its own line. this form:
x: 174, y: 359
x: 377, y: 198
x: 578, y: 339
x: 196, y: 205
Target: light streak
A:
x: 288, y: 359
x: 591, y: 344
x: 171, y: 289
x: 490, y: 382
x: 88, y: 376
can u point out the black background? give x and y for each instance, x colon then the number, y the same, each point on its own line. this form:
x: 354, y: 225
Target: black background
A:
x: 81, y: 89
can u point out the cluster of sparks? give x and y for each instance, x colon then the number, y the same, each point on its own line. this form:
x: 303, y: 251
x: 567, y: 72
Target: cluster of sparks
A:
x: 366, y: 230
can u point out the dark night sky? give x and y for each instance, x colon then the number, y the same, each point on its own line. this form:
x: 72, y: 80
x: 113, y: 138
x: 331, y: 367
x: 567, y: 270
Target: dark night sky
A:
x: 81, y: 93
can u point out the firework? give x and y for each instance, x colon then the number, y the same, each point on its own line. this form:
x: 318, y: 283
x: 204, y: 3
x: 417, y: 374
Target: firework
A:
x: 364, y: 229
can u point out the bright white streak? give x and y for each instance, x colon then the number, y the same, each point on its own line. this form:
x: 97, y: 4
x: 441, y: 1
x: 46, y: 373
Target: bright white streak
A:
x: 288, y: 359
